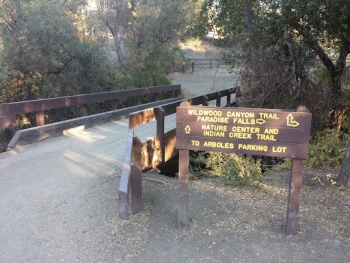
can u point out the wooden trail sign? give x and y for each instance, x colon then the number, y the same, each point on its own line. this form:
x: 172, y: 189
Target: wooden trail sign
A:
x: 241, y: 130
x: 263, y: 132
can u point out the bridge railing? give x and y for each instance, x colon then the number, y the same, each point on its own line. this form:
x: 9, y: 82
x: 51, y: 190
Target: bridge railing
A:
x: 8, y: 111
x: 146, y: 155
x: 211, y: 62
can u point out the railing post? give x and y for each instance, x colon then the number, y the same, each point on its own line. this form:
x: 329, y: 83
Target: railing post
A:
x: 40, y: 118
x: 160, y: 116
x: 218, y: 99
x: 192, y: 67
x: 205, y: 100
x: 7, y: 121
x: 83, y: 110
x: 228, y: 99
x: 155, y: 97
x: 177, y: 92
x: 7, y: 118
x: 114, y: 104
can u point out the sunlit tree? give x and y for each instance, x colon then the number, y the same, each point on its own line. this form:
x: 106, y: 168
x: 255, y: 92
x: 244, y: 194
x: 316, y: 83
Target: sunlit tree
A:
x: 43, y: 54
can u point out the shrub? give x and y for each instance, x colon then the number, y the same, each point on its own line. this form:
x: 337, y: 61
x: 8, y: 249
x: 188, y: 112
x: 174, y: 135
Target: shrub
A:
x: 236, y: 170
x: 6, y: 136
x: 327, y: 149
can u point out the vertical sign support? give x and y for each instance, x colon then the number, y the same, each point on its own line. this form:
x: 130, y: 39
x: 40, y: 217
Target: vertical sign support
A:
x: 184, y: 163
x: 294, y: 197
x: 294, y: 191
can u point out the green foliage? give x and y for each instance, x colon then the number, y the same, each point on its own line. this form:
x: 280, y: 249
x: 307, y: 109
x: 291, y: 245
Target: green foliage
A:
x: 152, y: 69
x: 43, y: 54
x: 286, y: 43
x: 6, y: 136
x: 327, y: 149
x: 235, y: 169
x: 197, y: 161
x: 283, y: 165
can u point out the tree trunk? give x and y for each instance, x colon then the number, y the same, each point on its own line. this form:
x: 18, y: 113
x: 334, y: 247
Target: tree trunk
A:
x: 344, y: 173
x: 249, y: 22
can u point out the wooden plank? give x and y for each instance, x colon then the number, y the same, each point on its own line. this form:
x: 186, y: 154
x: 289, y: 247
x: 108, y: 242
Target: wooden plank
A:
x: 136, y: 189
x: 60, y: 102
x: 262, y: 148
x: 232, y: 132
x: 123, y: 193
x: 245, y: 116
x: 265, y: 132
x: 7, y: 121
x: 184, y: 161
x: 294, y: 197
x: 145, y: 116
x: 141, y: 117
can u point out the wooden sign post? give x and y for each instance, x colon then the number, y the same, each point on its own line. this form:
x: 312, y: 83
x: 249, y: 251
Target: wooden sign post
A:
x: 263, y: 132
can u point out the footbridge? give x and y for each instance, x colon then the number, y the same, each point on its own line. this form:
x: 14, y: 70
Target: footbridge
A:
x: 59, y: 182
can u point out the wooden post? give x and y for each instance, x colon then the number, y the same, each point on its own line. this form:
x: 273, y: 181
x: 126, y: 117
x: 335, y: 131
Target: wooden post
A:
x: 123, y: 193
x: 7, y: 121
x: 294, y: 191
x: 184, y: 163
x: 40, y: 118
x: 228, y: 99
x: 114, y: 104
x: 205, y: 100
x: 83, y: 110
x: 218, y: 99
x: 192, y: 67
x: 160, y: 114
x: 294, y: 197
x: 136, y: 189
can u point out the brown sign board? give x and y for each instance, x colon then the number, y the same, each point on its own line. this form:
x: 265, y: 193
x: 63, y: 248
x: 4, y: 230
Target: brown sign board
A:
x: 276, y: 133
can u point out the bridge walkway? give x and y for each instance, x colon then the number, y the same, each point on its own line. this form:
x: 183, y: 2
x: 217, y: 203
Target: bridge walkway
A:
x: 58, y: 196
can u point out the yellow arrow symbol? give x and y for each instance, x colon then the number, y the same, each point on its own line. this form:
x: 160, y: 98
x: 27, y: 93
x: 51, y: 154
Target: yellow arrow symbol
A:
x: 260, y: 121
x: 188, y: 129
x: 291, y: 121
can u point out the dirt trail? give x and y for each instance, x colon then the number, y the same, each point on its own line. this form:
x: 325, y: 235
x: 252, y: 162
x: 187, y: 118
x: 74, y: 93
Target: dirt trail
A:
x: 203, y: 79
x: 236, y: 225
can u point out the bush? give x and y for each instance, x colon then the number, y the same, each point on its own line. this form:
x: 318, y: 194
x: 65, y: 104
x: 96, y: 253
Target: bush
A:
x: 6, y: 136
x: 236, y: 170
x: 327, y: 149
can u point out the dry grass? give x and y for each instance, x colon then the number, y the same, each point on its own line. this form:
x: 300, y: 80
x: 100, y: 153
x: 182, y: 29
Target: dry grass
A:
x: 215, y: 207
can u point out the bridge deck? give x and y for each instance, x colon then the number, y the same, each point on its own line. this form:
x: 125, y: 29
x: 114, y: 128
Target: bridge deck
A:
x: 58, y: 196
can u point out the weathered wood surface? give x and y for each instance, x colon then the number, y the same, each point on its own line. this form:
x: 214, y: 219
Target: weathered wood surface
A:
x: 8, y: 111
